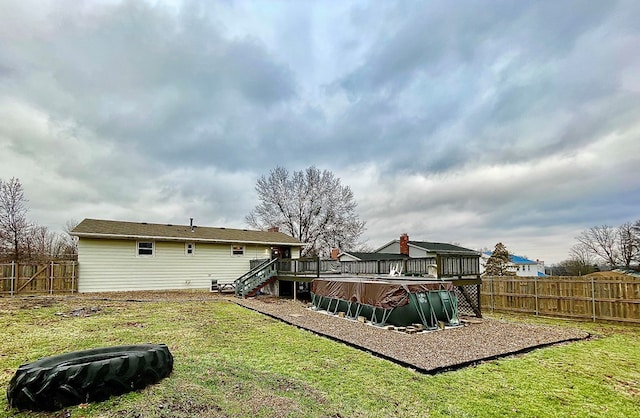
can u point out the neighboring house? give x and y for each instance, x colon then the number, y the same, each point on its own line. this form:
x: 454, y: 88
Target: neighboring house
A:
x: 460, y: 261
x: 522, y: 266
x: 117, y: 256
x: 416, y: 249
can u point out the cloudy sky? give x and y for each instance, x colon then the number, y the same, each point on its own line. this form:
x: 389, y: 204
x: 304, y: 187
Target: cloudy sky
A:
x: 473, y: 122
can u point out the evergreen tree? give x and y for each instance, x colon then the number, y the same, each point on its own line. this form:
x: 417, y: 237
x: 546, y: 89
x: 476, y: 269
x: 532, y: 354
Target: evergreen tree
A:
x: 499, y: 264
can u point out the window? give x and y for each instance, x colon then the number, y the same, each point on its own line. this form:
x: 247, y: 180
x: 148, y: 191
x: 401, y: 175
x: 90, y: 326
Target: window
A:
x: 189, y: 248
x: 237, y: 250
x: 145, y: 248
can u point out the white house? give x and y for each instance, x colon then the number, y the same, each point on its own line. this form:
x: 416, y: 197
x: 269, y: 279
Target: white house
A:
x: 459, y: 260
x: 418, y: 249
x: 522, y: 266
x: 118, y: 256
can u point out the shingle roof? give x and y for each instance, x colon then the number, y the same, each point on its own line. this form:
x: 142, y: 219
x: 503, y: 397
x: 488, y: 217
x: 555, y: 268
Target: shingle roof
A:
x: 98, y: 228
x: 443, y: 248
x: 515, y: 259
x: 376, y: 256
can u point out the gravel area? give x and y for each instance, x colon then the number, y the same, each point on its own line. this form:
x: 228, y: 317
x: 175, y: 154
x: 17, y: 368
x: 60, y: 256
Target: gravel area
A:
x: 429, y: 352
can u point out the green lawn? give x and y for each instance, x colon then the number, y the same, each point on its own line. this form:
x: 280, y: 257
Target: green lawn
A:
x: 230, y: 361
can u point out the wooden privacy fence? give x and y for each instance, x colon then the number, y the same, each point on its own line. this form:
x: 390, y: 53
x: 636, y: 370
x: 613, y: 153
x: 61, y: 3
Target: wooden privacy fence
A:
x: 37, y: 278
x: 602, y: 298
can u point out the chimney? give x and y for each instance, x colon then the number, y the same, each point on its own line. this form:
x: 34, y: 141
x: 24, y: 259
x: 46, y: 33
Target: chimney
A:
x: 404, y: 244
x: 273, y: 229
x: 334, y: 253
x: 191, y: 224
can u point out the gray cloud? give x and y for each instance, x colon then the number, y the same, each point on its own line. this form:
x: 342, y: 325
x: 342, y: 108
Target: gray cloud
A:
x: 511, y: 121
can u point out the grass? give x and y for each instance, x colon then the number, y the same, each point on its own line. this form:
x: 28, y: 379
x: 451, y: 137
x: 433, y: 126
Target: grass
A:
x: 230, y: 361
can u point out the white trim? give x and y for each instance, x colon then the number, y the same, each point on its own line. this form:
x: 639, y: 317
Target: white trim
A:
x: 153, y: 248
x: 234, y: 247
x: 181, y: 239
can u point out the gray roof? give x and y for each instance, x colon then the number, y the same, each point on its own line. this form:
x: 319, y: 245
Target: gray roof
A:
x: 105, y: 229
x: 376, y: 256
x: 443, y: 248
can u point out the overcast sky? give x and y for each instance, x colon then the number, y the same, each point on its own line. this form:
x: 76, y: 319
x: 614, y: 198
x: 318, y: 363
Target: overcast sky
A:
x: 465, y: 122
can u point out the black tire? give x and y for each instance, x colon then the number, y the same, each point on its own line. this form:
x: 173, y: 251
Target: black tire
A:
x: 52, y: 383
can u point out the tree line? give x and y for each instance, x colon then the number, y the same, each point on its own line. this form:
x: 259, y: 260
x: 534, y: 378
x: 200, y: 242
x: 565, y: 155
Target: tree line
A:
x: 604, y: 245
x: 22, y: 240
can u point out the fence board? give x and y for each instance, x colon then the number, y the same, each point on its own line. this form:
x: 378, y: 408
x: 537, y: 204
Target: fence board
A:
x: 602, y: 298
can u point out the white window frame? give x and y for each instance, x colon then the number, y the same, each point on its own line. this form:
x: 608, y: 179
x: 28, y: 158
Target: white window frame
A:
x: 235, y: 248
x: 186, y: 249
x: 153, y: 248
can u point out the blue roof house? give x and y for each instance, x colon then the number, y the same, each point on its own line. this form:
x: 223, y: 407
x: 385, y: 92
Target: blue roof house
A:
x: 522, y: 265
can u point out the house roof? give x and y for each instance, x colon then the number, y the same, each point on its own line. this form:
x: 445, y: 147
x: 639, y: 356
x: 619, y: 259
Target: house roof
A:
x: 375, y: 256
x: 443, y: 248
x: 105, y: 229
x: 435, y: 247
x: 515, y: 259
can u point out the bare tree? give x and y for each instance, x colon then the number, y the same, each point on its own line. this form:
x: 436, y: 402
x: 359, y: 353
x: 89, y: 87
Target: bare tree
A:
x: 628, y: 247
x: 581, y: 261
x: 499, y: 263
x: 13, y: 220
x: 310, y: 205
x: 636, y: 234
x: 68, y: 242
x: 601, y: 241
x: 40, y: 243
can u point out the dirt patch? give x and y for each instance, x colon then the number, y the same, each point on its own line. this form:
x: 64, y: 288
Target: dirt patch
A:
x: 36, y: 303
x: 81, y: 312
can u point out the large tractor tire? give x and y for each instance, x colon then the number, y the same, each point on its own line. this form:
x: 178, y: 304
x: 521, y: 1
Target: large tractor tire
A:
x: 52, y: 383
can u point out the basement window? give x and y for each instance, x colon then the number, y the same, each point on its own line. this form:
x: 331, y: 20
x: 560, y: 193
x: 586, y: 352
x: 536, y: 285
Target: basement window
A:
x: 237, y: 250
x: 189, y: 248
x: 145, y: 248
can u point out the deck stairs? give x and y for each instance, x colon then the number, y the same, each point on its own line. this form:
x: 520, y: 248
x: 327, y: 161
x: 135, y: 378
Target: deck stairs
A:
x: 255, y: 279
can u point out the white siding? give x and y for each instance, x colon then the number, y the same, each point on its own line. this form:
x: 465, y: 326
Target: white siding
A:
x: 414, y: 252
x: 418, y: 252
x: 391, y: 248
x: 113, y: 265
x: 347, y: 257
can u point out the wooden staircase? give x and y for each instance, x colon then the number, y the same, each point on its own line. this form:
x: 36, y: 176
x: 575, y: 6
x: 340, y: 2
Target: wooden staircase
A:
x: 255, y: 279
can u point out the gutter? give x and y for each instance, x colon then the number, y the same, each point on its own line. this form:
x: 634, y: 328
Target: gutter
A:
x: 180, y: 239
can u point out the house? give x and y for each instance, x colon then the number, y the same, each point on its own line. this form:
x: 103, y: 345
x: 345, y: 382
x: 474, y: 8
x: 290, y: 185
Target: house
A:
x: 435, y: 259
x: 417, y: 249
x: 522, y: 266
x: 120, y: 256
x: 425, y: 259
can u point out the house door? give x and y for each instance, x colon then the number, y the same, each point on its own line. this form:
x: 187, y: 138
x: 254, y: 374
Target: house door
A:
x: 280, y: 252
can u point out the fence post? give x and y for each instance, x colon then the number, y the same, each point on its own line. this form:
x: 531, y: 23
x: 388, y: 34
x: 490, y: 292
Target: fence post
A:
x: 535, y: 291
x: 593, y: 299
x: 491, y: 293
x: 13, y: 277
x: 51, y: 279
x: 73, y: 276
